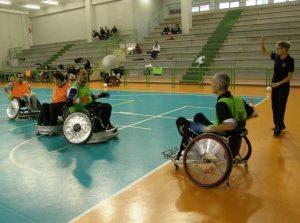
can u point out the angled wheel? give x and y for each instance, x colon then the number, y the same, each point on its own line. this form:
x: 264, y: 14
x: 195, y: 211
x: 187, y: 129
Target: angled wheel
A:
x: 245, y: 149
x: 207, y: 160
x: 13, y: 109
x: 78, y: 128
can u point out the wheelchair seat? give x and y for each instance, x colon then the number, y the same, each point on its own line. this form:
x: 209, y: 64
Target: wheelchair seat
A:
x: 79, y: 128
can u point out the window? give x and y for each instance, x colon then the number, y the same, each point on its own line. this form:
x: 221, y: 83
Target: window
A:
x: 195, y: 9
x: 224, y: 5
x: 279, y: 1
x: 204, y: 8
x: 234, y: 4
x: 250, y: 2
x: 262, y: 2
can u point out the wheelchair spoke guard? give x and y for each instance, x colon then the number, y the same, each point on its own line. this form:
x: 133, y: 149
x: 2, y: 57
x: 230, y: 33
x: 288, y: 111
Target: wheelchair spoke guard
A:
x: 207, y: 160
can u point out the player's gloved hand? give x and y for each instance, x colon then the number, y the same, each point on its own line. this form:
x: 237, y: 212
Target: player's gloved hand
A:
x: 104, y: 95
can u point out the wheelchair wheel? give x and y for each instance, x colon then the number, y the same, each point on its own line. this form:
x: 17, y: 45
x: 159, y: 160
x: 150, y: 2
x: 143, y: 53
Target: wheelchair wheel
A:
x: 245, y: 149
x: 77, y: 127
x: 13, y: 109
x: 207, y: 160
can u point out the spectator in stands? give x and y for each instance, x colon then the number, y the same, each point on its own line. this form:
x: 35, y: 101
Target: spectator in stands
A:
x: 107, y: 32
x: 88, y: 68
x: 95, y: 34
x: 102, y: 35
x: 176, y: 30
x: 166, y: 31
x: 71, y: 69
x: 114, y: 30
x: 155, y: 51
x: 137, y: 49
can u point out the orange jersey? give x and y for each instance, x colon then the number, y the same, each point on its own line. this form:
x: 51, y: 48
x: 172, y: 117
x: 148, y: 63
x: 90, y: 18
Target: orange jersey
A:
x: 20, y: 89
x: 60, y: 93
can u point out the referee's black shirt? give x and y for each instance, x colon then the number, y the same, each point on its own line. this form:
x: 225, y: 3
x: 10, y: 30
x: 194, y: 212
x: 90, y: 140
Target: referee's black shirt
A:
x: 282, y: 67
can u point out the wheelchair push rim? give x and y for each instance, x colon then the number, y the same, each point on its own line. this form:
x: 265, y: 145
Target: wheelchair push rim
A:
x: 245, y: 150
x: 13, y: 109
x: 77, y: 128
x: 207, y: 160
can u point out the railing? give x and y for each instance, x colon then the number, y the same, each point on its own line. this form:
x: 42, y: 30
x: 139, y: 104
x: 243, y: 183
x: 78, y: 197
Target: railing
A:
x: 171, y: 75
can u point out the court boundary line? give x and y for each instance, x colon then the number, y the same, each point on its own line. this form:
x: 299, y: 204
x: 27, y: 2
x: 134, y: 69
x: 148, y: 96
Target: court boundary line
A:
x: 133, y: 183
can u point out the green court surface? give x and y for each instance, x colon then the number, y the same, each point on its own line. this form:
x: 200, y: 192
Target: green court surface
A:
x: 45, y: 179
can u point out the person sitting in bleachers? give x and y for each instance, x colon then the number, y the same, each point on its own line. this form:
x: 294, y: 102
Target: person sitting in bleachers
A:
x: 166, y: 31
x: 71, y: 69
x: 155, y: 51
x: 50, y: 112
x: 102, y: 35
x: 137, y: 49
x: 114, y: 30
x: 21, y: 89
x: 96, y: 35
x: 176, y: 30
x: 107, y: 32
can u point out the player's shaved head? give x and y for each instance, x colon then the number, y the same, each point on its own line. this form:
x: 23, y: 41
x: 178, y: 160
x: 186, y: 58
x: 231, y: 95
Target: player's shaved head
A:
x: 223, y: 80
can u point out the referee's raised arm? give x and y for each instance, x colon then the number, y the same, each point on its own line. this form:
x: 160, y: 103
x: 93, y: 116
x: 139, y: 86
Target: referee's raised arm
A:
x: 263, y: 48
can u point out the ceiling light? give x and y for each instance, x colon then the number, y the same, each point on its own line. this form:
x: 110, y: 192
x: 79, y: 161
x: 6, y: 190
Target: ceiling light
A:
x: 5, y: 2
x: 30, y: 6
x: 50, y: 2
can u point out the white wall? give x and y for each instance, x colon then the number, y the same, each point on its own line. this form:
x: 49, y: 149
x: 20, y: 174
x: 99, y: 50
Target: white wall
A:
x: 13, y: 32
x: 143, y: 10
x: 59, y: 27
x: 117, y: 13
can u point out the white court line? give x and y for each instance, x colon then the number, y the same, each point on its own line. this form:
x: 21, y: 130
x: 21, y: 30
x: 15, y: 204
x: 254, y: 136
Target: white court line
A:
x: 157, y: 116
x: 136, y: 127
x: 143, y: 115
x: 20, y: 164
x: 118, y: 192
x: 13, y: 160
x: 262, y: 101
x: 122, y: 103
x: 191, y: 106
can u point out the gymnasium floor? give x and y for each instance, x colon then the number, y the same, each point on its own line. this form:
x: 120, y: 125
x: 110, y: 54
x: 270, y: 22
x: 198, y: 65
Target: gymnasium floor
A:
x: 44, y: 179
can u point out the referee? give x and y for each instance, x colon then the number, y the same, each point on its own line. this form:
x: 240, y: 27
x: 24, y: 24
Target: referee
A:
x: 283, y: 73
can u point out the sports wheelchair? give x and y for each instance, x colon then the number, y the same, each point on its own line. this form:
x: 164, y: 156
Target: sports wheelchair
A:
x: 207, y: 158
x: 19, y: 108
x: 85, y: 126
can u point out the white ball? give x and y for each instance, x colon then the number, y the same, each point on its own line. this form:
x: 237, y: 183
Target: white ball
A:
x: 109, y: 61
x: 269, y: 88
x: 105, y: 85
